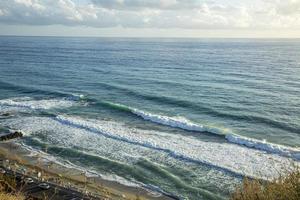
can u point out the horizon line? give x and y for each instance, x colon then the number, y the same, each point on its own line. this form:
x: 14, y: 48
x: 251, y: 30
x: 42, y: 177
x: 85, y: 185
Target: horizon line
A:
x: 146, y: 37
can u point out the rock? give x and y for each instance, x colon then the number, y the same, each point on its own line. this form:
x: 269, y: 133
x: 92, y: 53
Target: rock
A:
x: 11, y: 135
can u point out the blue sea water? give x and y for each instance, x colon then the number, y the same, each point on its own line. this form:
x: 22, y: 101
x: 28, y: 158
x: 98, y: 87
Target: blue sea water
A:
x: 189, y: 117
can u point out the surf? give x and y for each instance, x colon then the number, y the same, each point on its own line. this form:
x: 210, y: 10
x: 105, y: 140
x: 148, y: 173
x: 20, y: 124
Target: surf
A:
x: 40, y: 104
x: 151, y: 140
x: 185, y: 124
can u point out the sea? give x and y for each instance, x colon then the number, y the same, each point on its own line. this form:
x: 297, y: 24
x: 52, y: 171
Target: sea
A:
x: 187, y: 117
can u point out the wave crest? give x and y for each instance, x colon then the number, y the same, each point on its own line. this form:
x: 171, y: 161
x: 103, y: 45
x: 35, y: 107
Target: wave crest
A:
x: 188, y: 125
x: 33, y: 104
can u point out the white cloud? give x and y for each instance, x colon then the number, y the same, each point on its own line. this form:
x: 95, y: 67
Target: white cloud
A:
x: 146, y: 4
x: 185, y: 14
x: 31, y: 3
x: 288, y: 7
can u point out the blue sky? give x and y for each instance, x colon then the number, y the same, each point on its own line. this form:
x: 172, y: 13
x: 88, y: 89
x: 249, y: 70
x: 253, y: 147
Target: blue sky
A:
x: 151, y: 18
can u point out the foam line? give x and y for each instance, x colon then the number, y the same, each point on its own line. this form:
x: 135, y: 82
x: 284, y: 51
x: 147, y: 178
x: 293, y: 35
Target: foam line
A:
x: 32, y: 104
x: 78, y: 123
x: 141, y: 141
x: 185, y: 124
x: 70, y: 131
x: 265, y: 146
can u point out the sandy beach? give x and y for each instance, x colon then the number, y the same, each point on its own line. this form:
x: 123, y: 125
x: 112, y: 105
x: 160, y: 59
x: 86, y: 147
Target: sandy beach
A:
x: 16, y: 158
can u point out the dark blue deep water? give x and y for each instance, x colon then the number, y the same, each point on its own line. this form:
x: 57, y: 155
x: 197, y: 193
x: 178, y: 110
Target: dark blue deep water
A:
x: 183, y: 116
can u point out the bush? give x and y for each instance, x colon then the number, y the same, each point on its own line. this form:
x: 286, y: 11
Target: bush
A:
x: 8, y: 189
x: 283, y: 188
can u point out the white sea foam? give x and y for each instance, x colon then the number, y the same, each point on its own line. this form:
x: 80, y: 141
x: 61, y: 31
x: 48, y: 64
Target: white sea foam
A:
x: 238, y: 159
x: 265, y: 146
x: 127, y: 145
x: 176, y: 122
x: 32, y: 104
x: 185, y: 124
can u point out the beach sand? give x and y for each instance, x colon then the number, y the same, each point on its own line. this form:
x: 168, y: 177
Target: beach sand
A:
x: 19, y: 159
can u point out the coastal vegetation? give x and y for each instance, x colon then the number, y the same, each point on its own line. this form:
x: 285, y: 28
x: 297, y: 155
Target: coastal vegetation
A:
x: 285, y: 187
x: 8, y: 189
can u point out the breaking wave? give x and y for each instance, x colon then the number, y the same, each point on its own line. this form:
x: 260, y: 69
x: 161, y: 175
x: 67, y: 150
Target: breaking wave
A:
x: 185, y: 124
x: 38, y: 104
x: 226, y: 156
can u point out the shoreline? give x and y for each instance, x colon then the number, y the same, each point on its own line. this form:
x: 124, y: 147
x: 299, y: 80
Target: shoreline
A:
x: 18, y: 159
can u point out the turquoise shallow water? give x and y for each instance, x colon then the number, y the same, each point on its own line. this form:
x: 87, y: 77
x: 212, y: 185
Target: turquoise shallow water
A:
x: 183, y: 116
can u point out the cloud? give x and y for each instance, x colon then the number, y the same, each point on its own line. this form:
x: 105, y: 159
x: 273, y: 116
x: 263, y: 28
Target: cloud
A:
x: 31, y: 4
x: 288, y: 7
x: 146, y: 4
x: 184, y: 14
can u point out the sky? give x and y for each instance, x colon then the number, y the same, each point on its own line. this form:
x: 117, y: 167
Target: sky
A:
x: 152, y: 18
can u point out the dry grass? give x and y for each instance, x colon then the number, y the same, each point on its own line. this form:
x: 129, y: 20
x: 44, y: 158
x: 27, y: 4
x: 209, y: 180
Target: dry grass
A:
x: 4, y: 196
x: 283, y: 188
x: 8, y: 189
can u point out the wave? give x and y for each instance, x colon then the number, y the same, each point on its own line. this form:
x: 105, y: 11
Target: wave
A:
x: 71, y: 156
x: 128, y: 144
x: 48, y: 157
x: 199, y: 108
x: 128, y: 138
x: 264, y: 145
x: 38, y: 104
x: 185, y: 124
x: 80, y: 123
x: 26, y: 89
x: 224, y: 156
x: 122, y: 172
